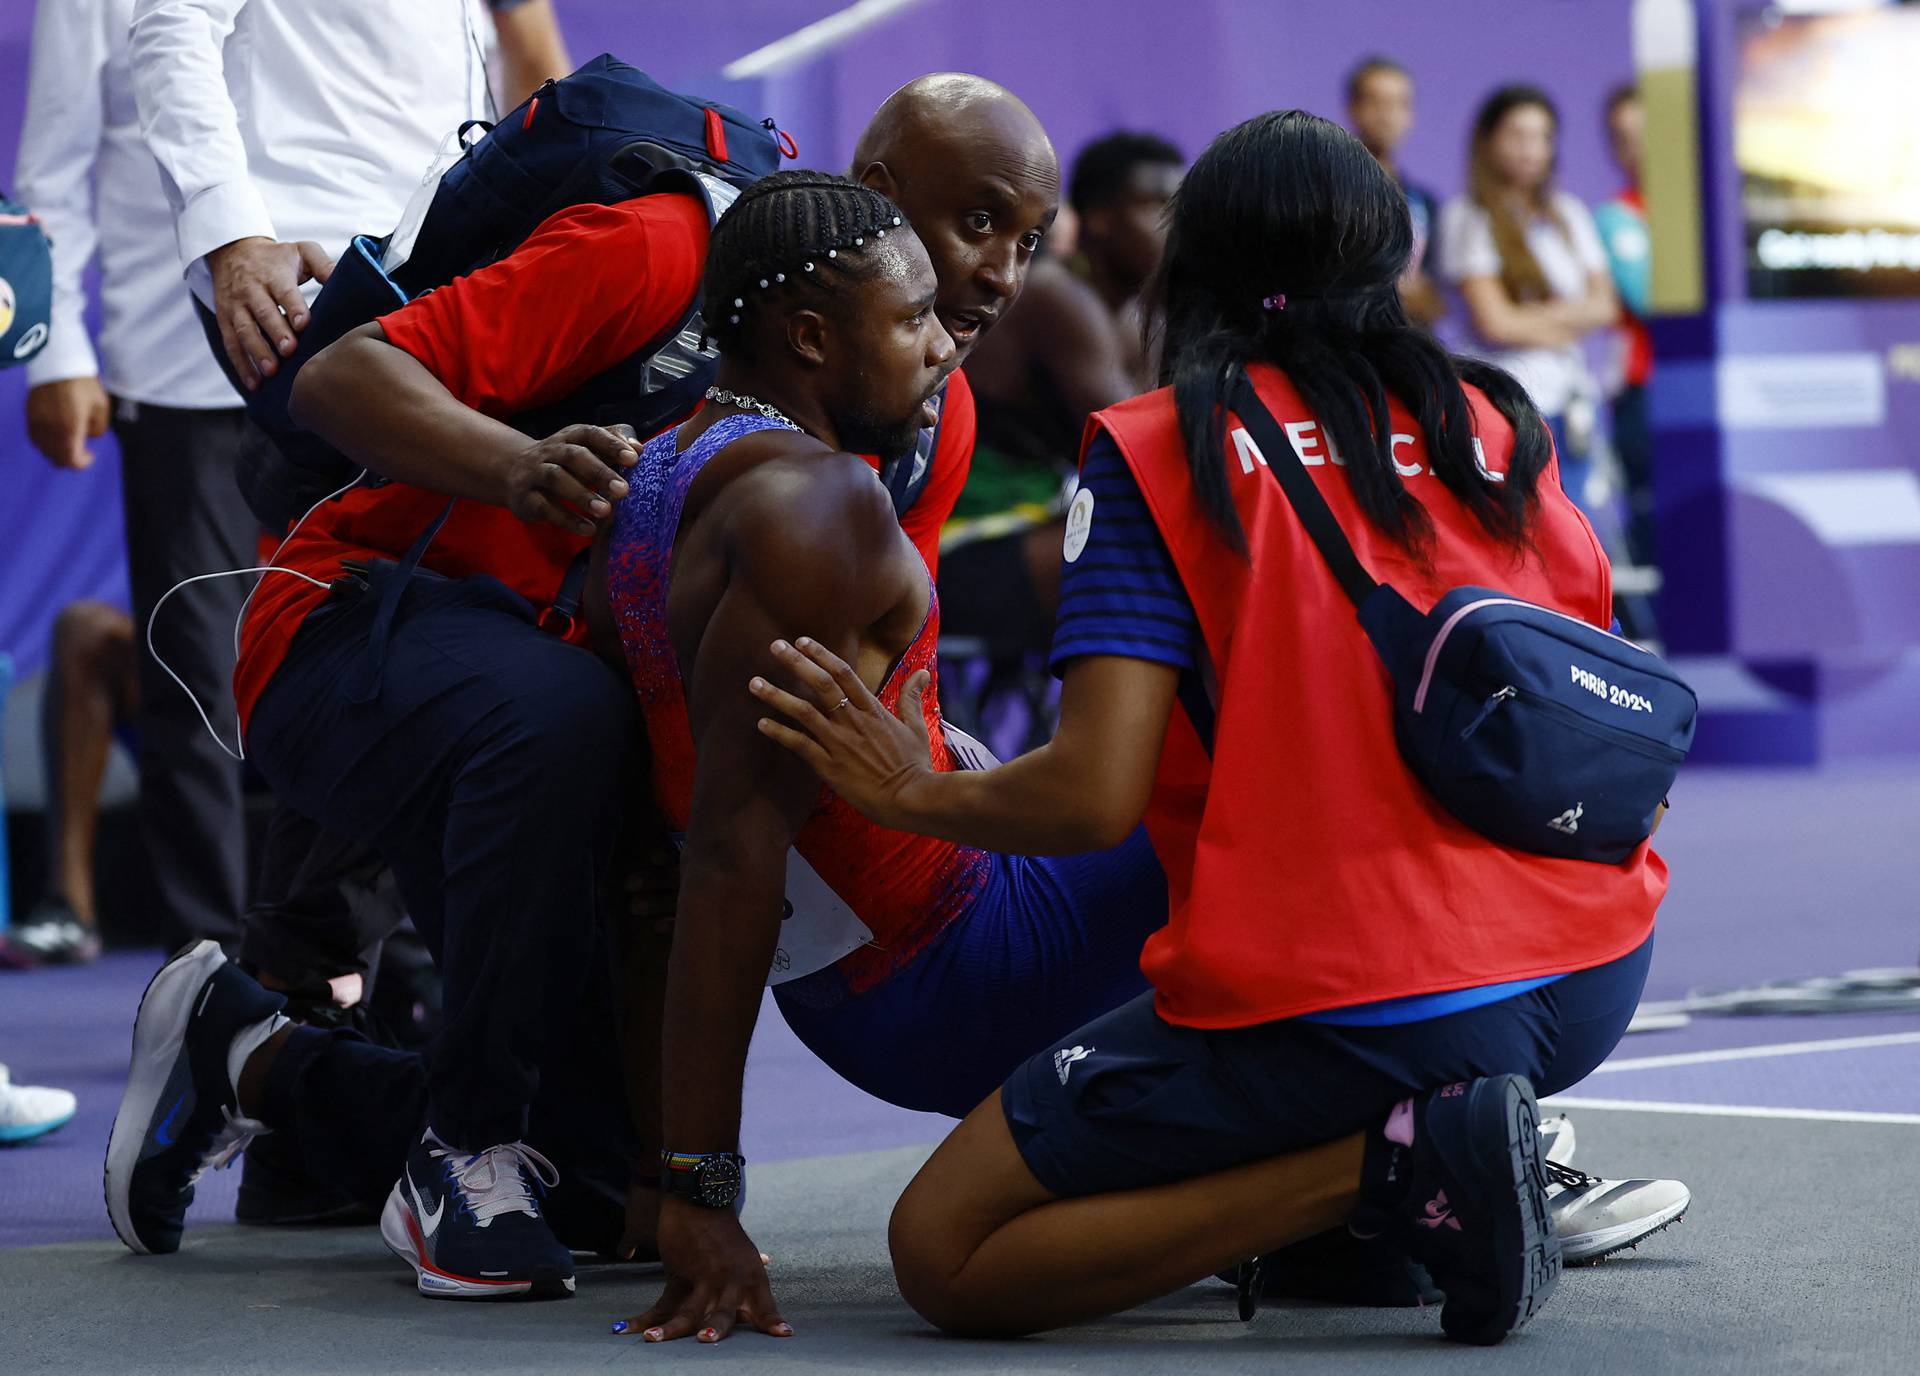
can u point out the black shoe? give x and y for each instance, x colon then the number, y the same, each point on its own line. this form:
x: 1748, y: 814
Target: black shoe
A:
x: 1335, y: 1268
x: 469, y: 1223
x: 179, y: 1115
x: 277, y: 1192
x: 275, y: 1187
x: 1457, y: 1178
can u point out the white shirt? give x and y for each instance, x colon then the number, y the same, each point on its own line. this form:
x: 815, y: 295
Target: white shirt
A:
x: 85, y: 171
x: 300, y: 119
x: 1553, y: 377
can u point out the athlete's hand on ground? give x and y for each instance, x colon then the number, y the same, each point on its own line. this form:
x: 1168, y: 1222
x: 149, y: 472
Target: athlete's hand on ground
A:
x: 864, y: 753
x: 716, y: 1278
x: 257, y: 301
x: 571, y: 479
x: 63, y: 416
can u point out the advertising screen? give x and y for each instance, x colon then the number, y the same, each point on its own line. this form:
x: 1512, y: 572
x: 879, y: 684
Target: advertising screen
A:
x: 1827, y: 140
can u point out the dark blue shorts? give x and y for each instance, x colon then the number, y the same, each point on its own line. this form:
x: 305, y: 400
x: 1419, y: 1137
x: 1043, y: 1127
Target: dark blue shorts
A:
x: 1049, y: 945
x: 1131, y: 1100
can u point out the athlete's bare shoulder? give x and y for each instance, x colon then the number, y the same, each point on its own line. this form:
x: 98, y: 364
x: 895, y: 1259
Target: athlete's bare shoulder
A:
x: 813, y: 525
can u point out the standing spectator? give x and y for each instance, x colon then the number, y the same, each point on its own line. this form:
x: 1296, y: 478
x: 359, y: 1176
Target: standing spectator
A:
x: 1623, y: 230
x: 1529, y: 264
x: 346, y: 105
x: 26, y: 289
x: 85, y: 171
x: 1380, y: 113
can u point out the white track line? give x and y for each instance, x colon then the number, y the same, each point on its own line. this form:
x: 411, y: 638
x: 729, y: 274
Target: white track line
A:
x: 1751, y: 1053
x: 1816, y: 1115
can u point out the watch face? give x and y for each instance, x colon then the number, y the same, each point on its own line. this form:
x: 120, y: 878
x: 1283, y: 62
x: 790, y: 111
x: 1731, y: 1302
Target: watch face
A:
x: 716, y: 1180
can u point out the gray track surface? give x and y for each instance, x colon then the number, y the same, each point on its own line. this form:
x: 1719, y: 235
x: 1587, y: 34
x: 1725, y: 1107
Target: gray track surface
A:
x: 1798, y: 1257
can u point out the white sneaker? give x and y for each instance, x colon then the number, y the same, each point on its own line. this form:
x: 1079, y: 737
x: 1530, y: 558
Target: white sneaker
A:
x: 1595, y: 1218
x: 28, y: 1111
x: 1556, y: 1139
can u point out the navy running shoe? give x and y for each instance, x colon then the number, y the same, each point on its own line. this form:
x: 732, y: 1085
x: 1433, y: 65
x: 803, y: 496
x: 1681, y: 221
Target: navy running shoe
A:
x: 469, y: 1223
x: 180, y: 1116
x: 1457, y: 1177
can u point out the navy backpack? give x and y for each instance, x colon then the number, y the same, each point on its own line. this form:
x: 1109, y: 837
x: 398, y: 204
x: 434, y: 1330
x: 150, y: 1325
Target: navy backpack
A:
x: 605, y: 134
x: 1537, y: 730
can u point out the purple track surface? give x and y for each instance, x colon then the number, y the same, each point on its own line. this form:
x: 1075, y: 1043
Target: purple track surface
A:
x: 1776, y: 874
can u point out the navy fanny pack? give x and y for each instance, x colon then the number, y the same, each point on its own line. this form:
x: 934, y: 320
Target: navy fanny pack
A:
x: 1536, y: 729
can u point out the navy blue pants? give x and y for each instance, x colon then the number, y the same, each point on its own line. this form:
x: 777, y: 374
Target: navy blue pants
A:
x: 487, y: 770
x: 1047, y: 945
x: 1131, y: 1100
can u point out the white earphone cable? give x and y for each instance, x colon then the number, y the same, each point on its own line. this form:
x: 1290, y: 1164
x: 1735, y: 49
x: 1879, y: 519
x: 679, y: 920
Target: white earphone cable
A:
x: 271, y: 566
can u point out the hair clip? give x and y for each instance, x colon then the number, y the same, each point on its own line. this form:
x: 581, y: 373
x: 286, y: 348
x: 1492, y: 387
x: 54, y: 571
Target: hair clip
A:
x: 808, y: 266
x: 763, y: 284
x: 859, y: 243
x: 733, y: 320
x: 739, y: 301
x: 1276, y: 302
x: 833, y: 253
x: 779, y: 276
x: 896, y: 220
x: 879, y: 233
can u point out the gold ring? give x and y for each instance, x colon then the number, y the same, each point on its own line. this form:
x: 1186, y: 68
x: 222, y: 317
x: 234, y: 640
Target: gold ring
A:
x: 844, y: 702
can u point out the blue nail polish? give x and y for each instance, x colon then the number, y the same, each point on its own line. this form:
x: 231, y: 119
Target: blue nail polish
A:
x: 619, y: 1325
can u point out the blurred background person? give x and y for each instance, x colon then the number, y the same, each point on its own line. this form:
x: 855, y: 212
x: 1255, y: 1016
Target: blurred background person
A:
x: 90, y: 695
x: 85, y: 171
x: 1380, y: 113
x: 1529, y: 265
x: 1072, y: 345
x: 1622, y: 221
x: 27, y: 1112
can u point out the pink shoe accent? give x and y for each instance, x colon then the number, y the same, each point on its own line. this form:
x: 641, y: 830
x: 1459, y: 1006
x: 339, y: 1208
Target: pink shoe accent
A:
x: 1439, y: 1214
x: 1400, y: 1123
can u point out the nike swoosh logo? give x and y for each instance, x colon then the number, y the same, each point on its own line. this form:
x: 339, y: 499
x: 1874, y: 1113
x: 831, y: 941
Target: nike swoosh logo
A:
x: 164, y: 1134
x: 429, y: 1220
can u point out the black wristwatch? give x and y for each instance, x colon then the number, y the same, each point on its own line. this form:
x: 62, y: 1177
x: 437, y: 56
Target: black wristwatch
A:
x: 712, y: 1180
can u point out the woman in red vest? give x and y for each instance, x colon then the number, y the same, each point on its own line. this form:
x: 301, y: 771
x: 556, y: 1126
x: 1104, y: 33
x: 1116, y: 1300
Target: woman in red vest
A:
x: 1354, y: 995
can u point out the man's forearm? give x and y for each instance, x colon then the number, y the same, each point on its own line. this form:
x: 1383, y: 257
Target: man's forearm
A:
x: 382, y: 409
x: 724, y: 937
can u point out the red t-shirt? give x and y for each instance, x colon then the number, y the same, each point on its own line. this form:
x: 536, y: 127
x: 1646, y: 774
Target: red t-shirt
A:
x: 588, y: 289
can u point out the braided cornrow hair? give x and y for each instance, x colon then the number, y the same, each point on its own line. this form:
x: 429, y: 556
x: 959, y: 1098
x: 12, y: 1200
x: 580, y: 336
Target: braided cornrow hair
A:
x: 790, y: 234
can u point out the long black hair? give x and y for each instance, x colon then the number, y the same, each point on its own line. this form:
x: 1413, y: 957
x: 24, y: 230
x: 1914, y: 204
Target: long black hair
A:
x: 1289, y: 204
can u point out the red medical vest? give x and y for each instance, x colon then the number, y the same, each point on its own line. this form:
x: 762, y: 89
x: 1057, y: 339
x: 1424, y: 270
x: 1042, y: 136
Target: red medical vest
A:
x: 1317, y: 873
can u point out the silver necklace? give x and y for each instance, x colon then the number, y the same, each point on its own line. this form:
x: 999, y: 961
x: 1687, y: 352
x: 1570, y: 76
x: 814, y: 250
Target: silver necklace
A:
x: 747, y: 403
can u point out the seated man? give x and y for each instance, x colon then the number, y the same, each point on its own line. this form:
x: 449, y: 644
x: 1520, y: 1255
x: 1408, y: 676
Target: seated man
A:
x: 1071, y: 347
